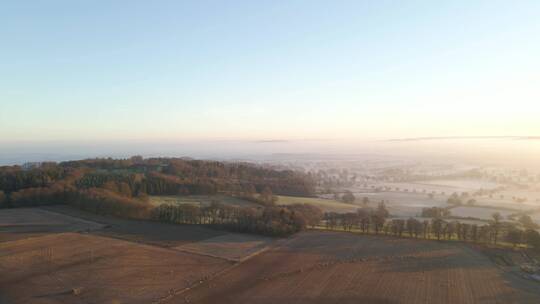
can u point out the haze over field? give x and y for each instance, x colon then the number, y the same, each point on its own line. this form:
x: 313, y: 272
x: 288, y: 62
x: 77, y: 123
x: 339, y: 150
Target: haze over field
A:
x: 515, y: 152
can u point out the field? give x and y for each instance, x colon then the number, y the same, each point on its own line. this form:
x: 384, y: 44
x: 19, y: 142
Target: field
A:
x: 407, y: 199
x: 200, y: 200
x: 325, y: 267
x: 533, y: 199
x: 402, y: 203
x: 448, y: 186
x: 479, y: 212
x: 63, y: 255
x: 231, y: 246
x: 23, y: 223
x: 326, y: 205
x: 152, y: 233
x: 48, y: 269
x: 460, y: 185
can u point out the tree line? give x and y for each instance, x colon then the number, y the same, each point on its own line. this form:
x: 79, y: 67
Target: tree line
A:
x: 270, y: 220
x: 375, y: 220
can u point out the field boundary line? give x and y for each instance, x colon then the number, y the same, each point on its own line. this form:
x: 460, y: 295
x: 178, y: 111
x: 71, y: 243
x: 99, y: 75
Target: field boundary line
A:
x: 239, y: 260
x: 205, y: 254
x: 74, y: 217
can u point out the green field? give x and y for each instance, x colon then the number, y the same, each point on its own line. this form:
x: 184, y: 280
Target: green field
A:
x: 326, y: 205
x: 200, y: 200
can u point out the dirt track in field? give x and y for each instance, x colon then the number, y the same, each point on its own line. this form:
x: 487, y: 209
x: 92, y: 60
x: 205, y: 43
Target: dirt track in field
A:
x: 325, y: 267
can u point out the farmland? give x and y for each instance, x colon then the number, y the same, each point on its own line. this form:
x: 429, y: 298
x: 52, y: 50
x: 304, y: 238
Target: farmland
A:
x: 230, y: 246
x: 407, y: 199
x: 479, y: 212
x: 23, y: 223
x: 64, y: 255
x: 51, y: 268
x: 403, y: 204
x: 200, y: 200
x: 326, y: 205
x: 152, y: 233
x: 323, y: 267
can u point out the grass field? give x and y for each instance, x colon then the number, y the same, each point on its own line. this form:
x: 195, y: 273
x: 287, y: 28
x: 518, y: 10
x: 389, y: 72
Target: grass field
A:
x: 200, y: 200
x: 403, y: 203
x: 326, y: 267
x: 326, y: 205
x: 448, y: 186
x: 479, y: 212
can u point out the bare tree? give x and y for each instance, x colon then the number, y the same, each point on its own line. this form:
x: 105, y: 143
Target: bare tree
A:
x: 437, y: 227
x: 496, y: 225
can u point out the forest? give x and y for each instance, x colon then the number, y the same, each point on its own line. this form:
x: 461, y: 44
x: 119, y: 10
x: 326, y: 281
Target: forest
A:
x: 120, y: 187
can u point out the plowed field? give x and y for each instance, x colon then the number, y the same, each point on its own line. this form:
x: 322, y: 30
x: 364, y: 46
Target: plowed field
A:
x: 325, y: 267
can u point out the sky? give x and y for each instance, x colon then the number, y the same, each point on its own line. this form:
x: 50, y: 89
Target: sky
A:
x: 146, y: 71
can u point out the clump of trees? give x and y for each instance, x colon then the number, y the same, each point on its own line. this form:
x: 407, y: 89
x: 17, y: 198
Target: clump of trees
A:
x: 527, y: 222
x: 348, y: 197
x: 435, y: 212
x: 532, y: 238
x: 265, y: 198
x: 364, y: 219
x: 455, y: 199
x: 471, y: 202
x: 106, y: 202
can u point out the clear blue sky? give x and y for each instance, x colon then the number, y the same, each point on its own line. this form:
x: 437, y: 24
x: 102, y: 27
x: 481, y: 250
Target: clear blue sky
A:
x: 113, y: 70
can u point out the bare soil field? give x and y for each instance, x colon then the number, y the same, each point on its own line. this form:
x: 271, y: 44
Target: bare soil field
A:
x: 27, y: 222
x: 85, y: 268
x: 154, y: 233
x: 117, y: 261
x: 327, y: 267
x: 232, y: 246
